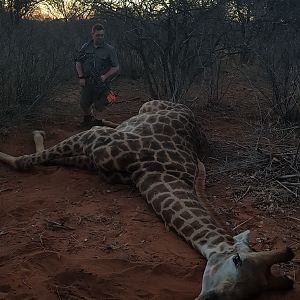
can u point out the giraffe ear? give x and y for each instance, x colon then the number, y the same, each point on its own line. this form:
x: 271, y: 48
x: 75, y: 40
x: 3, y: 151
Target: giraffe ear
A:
x: 242, y: 237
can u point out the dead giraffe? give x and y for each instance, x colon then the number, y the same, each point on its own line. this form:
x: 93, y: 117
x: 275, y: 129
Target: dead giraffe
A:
x: 157, y: 151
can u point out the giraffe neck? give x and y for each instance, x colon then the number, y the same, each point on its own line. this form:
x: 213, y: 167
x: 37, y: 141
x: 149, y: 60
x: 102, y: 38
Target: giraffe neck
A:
x: 177, y: 204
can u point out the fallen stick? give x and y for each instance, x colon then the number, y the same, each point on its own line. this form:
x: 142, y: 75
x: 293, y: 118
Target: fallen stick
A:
x: 240, y: 198
x: 289, y: 176
x: 56, y: 225
x: 291, y: 183
x: 241, y: 224
x: 289, y: 190
x: 293, y: 218
x: 6, y: 190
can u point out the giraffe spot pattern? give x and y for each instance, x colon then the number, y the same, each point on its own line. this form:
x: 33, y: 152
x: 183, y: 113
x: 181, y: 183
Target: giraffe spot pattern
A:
x: 167, y: 215
x: 218, y: 240
x: 156, y: 150
x: 186, y: 215
x: 200, y: 235
x: 177, y: 206
x: 167, y: 203
x: 178, y: 222
x: 187, y: 231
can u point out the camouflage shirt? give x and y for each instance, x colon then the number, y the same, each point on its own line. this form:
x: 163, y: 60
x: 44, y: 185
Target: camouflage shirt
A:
x: 96, y: 61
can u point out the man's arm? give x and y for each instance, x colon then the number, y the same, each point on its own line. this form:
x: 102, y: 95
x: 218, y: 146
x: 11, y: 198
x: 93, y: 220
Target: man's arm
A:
x: 80, y: 73
x: 112, y: 71
x: 79, y: 69
x: 114, y: 65
x: 79, y: 59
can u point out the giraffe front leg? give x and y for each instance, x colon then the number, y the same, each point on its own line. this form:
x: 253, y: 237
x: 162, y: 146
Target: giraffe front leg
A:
x: 115, y: 177
x: 199, y: 183
x: 110, y: 124
x: 105, y: 123
x: 79, y: 161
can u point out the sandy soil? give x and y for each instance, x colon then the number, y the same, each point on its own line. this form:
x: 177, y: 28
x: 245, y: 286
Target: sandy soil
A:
x: 111, y: 245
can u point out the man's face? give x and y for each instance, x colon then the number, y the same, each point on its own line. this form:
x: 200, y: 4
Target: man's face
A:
x: 98, y: 37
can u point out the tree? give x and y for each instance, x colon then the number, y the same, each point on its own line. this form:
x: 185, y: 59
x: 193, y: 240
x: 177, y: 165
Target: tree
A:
x: 175, y: 40
x: 18, y: 9
x: 69, y: 9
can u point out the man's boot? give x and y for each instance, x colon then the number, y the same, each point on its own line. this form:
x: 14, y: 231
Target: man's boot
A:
x: 87, y: 121
x: 96, y: 122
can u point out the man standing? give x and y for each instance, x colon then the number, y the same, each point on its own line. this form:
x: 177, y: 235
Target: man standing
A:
x: 96, y: 63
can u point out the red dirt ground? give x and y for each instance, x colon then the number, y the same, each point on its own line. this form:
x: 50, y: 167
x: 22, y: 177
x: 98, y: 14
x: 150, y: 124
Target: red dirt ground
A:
x: 112, y: 246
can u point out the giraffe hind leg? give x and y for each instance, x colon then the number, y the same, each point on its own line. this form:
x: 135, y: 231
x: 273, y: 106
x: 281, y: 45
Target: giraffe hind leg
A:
x: 38, y: 137
x: 79, y: 161
x: 8, y: 159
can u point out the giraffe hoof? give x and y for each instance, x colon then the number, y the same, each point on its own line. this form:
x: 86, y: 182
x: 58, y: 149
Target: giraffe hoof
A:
x: 39, y: 132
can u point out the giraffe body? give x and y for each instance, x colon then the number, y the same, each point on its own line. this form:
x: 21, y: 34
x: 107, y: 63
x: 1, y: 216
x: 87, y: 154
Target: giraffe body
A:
x: 157, y: 150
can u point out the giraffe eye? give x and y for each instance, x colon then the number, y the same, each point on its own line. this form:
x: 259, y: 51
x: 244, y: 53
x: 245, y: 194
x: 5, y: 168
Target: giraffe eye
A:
x: 237, y: 260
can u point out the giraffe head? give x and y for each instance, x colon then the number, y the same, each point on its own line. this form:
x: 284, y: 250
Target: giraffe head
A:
x: 241, y: 273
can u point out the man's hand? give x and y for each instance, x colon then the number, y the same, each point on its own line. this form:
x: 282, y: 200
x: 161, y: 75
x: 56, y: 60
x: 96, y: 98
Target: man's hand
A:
x: 103, y: 78
x: 82, y: 82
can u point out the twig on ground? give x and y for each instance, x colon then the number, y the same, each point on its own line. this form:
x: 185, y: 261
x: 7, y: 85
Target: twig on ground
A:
x: 293, y: 218
x: 246, y: 165
x: 269, y: 162
x: 74, y: 238
x: 291, y: 183
x: 127, y: 100
x: 41, y: 239
x: 25, y: 283
x: 241, y: 224
x: 57, y: 292
x: 56, y: 225
x: 296, y: 155
x: 289, y: 176
x: 6, y: 190
x: 289, y: 190
x: 289, y: 128
x: 244, y: 195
